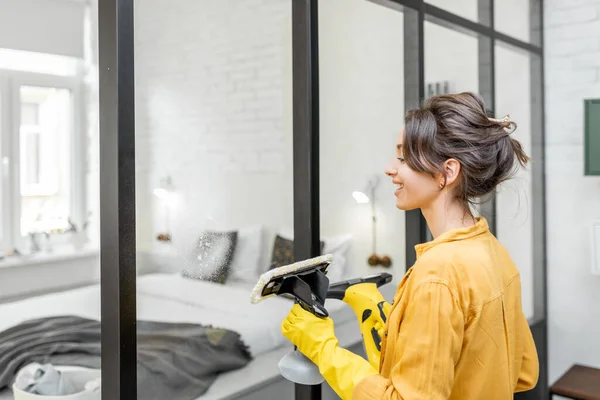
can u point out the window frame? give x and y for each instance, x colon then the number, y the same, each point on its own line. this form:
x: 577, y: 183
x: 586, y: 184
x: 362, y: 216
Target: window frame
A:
x: 10, y: 111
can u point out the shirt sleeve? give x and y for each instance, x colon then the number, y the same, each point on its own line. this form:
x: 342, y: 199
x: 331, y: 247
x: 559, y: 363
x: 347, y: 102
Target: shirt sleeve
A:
x: 529, y: 373
x: 432, y: 331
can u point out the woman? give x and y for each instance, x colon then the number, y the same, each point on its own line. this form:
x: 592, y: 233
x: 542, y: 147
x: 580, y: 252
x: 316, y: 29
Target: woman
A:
x: 456, y: 329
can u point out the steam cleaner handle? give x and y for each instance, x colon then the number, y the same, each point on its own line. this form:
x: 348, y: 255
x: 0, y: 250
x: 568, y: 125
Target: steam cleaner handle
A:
x: 370, y: 308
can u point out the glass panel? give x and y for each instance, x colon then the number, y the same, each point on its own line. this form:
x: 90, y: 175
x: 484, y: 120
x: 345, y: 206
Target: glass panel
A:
x: 451, y: 60
x: 361, y: 73
x: 465, y: 8
x: 514, y: 198
x: 214, y: 191
x: 452, y: 65
x: 362, y: 112
x: 520, y: 19
x: 45, y: 159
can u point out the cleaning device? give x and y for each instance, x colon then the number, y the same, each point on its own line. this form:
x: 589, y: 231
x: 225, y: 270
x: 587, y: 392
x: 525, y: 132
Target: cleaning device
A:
x: 371, y: 309
x: 306, y: 282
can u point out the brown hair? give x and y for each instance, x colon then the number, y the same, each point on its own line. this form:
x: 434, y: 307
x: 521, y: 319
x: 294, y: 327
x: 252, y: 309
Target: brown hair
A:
x: 457, y: 126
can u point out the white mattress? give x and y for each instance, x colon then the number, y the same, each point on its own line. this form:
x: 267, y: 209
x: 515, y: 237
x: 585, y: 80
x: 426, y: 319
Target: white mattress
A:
x: 226, y: 306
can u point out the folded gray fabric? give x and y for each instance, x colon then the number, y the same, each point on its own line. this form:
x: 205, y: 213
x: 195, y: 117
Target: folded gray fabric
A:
x: 44, y: 380
x: 174, y: 360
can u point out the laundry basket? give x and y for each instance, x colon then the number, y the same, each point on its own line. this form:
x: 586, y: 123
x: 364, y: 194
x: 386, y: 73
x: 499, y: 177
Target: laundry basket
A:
x: 78, y: 375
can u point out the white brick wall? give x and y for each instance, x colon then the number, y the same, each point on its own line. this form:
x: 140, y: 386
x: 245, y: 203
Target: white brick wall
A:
x: 209, y: 98
x: 572, y: 35
x: 209, y: 73
x: 214, y: 110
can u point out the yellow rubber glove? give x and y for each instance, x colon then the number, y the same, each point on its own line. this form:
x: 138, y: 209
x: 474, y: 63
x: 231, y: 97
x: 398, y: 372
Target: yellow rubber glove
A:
x: 315, y: 338
x: 365, y: 297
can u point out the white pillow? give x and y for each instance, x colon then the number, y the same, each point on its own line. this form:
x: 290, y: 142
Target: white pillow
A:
x: 247, y: 256
x: 338, y: 247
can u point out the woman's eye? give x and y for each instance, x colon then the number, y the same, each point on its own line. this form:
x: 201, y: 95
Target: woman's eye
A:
x: 401, y: 159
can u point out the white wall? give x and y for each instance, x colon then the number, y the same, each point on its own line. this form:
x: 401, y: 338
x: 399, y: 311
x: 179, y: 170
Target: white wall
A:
x: 47, y: 272
x: 214, y: 110
x: 572, y: 62
x: 47, y: 26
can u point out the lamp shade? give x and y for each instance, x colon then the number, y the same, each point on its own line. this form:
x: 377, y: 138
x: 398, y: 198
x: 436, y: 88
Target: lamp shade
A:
x: 364, y: 196
x: 165, y: 188
x: 360, y: 197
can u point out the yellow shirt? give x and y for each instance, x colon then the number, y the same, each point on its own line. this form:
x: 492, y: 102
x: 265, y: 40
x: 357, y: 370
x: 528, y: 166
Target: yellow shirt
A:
x: 456, y: 329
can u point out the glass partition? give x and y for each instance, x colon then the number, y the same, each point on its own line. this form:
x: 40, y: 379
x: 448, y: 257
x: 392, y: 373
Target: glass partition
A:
x: 225, y: 97
x: 514, y: 198
x: 451, y: 60
x: 361, y: 78
x: 453, y: 65
x: 362, y: 112
x: 214, y: 191
x: 520, y: 19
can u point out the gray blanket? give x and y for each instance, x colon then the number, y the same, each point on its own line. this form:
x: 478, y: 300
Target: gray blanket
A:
x: 175, y: 360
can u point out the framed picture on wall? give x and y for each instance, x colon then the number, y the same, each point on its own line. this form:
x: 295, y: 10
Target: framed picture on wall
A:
x: 592, y: 137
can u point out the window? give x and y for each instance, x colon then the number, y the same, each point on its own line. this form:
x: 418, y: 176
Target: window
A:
x: 41, y: 147
x: 45, y: 136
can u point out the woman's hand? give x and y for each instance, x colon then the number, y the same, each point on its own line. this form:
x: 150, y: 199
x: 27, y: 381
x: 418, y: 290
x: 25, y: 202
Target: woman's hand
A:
x: 315, y: 338
x: 308, y: 332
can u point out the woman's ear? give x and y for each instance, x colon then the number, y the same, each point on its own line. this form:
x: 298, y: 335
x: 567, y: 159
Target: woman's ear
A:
x: 452, y: 169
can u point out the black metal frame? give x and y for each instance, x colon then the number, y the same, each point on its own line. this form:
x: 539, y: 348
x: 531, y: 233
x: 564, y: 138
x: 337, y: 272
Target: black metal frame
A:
x: 117, y: 199
x: 305, y: 70
x: 117, y: 169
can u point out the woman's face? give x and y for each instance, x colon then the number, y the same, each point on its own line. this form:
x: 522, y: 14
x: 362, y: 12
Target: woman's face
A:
x: 413, y: 189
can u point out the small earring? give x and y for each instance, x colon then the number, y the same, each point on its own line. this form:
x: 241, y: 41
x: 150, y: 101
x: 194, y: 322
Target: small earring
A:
x: 441, y: 185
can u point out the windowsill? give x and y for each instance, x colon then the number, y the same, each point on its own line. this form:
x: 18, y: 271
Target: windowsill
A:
x: 44, y: 257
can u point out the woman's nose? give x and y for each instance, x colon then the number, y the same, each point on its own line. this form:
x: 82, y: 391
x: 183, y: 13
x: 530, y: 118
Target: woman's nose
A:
x: 390, y: 170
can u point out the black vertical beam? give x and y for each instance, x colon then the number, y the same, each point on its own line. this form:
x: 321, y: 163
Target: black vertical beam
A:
x: 487, y: 89
x: 117, y: 199
x: 538, y: 167
x: 416, y: 230
x: 305, y: 69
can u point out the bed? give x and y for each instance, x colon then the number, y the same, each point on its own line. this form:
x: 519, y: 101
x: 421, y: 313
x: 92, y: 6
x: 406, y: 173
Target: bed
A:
x: 171, y: 297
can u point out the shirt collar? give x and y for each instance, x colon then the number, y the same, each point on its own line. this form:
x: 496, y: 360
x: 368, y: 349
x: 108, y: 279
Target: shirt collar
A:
x: 481, y: 226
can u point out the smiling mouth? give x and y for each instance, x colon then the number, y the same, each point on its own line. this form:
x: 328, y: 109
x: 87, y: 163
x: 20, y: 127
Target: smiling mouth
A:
x: 398, y: 187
